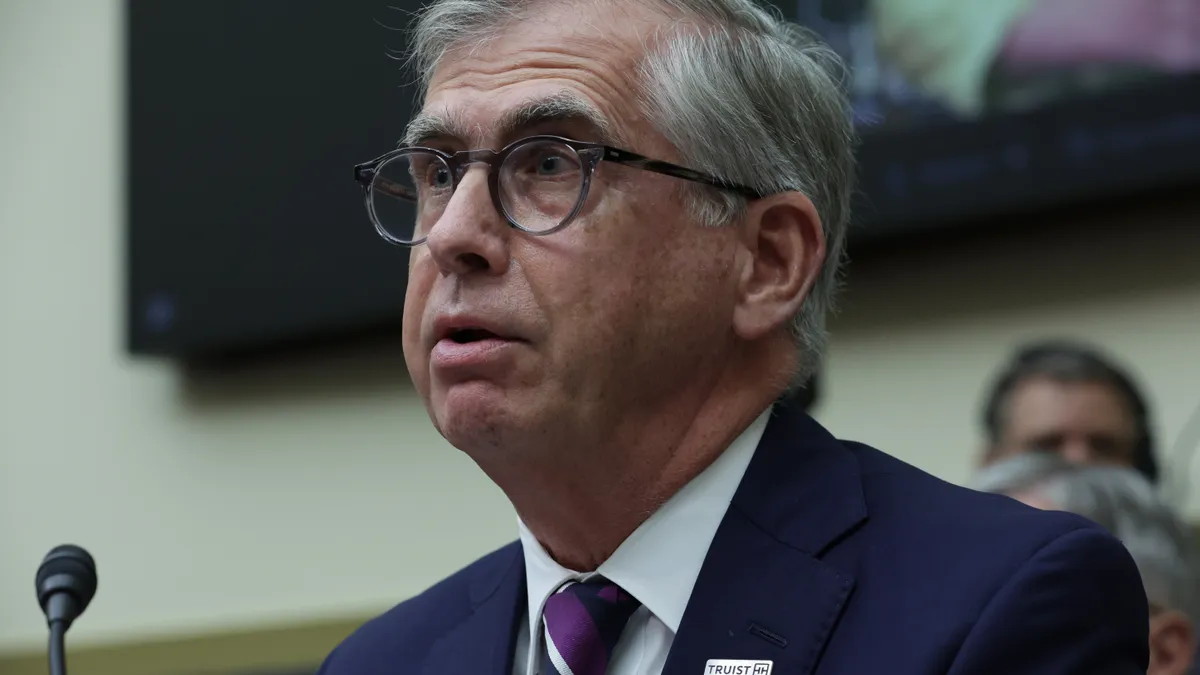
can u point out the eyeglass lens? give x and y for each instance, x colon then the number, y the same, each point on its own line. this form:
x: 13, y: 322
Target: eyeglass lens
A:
x: 540, y: 184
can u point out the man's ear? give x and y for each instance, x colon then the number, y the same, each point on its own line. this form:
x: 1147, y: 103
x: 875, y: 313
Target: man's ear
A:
x: 785, y: 247
x: 1172, y: 643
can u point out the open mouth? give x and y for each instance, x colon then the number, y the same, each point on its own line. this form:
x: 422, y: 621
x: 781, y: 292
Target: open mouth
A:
x: 465, y: 336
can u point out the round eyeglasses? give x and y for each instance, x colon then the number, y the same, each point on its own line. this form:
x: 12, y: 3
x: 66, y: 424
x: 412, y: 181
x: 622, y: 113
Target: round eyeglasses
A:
x: 539, y: 184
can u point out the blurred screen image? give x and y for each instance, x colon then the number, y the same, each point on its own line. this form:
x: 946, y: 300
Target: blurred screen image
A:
x: 925, y: 62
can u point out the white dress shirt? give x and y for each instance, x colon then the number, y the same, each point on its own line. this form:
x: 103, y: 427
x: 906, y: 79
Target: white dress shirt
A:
x: 658, y: 564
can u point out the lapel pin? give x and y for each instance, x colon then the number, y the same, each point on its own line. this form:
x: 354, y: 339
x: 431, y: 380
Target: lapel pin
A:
x: 737, y: 667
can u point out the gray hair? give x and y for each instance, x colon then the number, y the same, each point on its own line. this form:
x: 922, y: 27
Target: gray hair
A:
x: 745, y: 96
x: 1123, y: 502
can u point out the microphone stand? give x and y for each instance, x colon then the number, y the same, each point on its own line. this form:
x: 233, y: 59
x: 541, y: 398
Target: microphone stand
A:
x: 58, y: 649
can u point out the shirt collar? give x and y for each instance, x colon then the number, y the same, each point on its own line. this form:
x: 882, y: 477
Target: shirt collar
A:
x: 658, y: 564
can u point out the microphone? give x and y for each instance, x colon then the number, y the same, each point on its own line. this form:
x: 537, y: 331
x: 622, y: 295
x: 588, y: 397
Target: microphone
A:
x: 65, y: 582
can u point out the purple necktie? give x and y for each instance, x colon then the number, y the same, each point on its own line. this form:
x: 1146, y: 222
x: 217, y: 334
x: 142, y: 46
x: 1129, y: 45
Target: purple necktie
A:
x: 582, y: 624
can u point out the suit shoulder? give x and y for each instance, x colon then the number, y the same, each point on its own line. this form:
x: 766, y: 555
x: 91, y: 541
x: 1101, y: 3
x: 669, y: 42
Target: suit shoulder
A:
x: 403, y: 633
x: 927, y: 542
x: 1053, y: 599
x: 906, y: 499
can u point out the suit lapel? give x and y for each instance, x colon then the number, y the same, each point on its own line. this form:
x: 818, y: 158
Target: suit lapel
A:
x: 483, y: 643
x: 763, y: 592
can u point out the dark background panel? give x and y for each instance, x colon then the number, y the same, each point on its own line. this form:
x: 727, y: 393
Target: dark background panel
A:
x: 966, y: 174
x: 246, y: 117
x: 247, y: 235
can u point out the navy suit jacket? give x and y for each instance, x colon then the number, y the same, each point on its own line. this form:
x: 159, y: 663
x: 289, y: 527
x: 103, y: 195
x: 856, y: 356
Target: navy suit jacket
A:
x: 833, y: 559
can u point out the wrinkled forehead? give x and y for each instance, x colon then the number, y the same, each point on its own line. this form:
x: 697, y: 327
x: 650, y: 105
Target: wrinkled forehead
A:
x: 570, y: 68
x: 494, y: 124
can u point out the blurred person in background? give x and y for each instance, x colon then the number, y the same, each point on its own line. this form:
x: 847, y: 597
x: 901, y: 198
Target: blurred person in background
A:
x: 1124, y: 503
x: 1068, y: 398
x: 629, y: 218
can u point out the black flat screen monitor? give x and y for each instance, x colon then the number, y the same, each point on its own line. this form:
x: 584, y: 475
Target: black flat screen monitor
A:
x: 246, y: 231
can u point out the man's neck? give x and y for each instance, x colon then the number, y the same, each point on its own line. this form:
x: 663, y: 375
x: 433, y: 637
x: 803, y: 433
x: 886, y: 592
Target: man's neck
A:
x: 582, y: 514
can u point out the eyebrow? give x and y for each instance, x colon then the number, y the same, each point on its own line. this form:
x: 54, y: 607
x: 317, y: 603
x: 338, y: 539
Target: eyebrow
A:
x: 565, y: 106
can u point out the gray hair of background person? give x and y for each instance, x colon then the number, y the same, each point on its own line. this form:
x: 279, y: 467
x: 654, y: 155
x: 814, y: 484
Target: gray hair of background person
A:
x: 747, y: 97
x: 1071, y: 361
x: 1124, y: 503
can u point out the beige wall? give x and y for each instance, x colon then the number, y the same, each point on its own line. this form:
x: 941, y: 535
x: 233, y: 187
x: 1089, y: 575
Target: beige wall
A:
x: 922, y: 331
x: 320, y: 489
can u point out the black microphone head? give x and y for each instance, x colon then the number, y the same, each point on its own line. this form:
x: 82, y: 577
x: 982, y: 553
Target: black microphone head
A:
x: 66, y: 582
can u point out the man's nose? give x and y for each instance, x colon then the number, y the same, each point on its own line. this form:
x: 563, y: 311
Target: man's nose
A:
x: 470, y: 237
x: 1078, y: 451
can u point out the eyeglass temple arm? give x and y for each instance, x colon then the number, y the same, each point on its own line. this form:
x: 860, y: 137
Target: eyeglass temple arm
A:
x: 370, y: 180
x: 668, y: 169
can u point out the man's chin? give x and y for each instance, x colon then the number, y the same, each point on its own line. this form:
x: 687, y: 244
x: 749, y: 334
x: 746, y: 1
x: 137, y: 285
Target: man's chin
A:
x: 472, y: 414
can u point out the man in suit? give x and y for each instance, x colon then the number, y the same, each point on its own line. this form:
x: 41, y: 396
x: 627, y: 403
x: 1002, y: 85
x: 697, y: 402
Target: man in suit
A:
x: 629, y: 217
